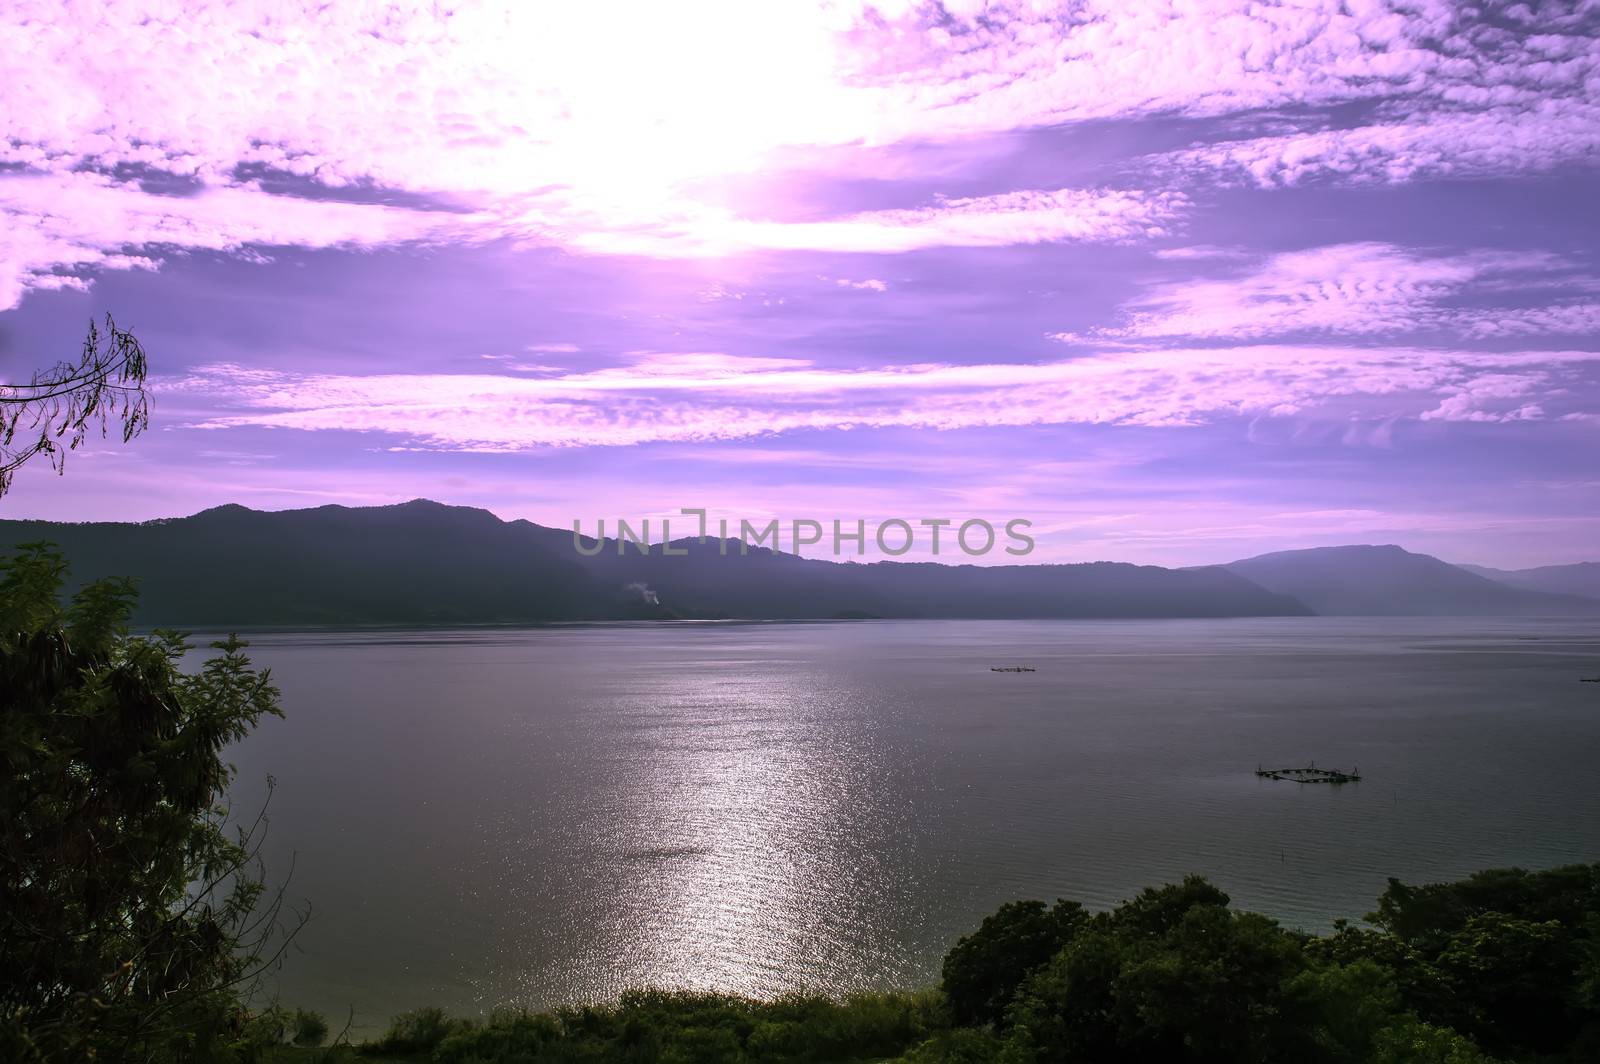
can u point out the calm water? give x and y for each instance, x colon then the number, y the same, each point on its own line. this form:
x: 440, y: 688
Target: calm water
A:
x: 545, y: 816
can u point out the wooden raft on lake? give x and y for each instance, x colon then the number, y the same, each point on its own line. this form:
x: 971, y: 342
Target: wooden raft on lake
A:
x: 1012, y: 668
x: 1310, y: 774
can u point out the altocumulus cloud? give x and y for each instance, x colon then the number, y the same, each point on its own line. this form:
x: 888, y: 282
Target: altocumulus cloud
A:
x: 611, y: 148
x: 58, y: 223
x: 1368, y: 289
x: 703, y: 397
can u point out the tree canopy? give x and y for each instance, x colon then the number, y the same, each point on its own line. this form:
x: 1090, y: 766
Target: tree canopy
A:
x: 131, y: 915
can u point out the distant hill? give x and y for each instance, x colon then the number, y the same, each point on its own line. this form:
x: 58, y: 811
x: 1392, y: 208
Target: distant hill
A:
x: 1391, y: 581
x: 1582, y: 578
x: 425, y: 563
x: 416, y: 563
x: 715, y: 579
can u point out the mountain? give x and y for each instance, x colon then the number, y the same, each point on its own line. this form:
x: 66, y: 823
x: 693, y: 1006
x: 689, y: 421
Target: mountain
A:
x: 1391, y: 581
x: 416, y: 563
x: 716, y: 578
x: 425, y: 563
x: 1583, y: 578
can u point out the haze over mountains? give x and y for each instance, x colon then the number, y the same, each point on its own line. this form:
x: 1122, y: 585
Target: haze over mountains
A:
x: 426, y: 563
x: 1583, y: 578
x: 1391, y: 581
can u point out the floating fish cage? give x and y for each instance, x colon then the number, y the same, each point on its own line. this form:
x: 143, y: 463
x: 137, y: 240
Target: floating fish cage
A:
x: 1012, y: 668
x: 1310, y: 774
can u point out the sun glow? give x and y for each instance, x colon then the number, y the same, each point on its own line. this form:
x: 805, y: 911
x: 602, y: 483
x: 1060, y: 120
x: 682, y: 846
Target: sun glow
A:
x: 621, y: 111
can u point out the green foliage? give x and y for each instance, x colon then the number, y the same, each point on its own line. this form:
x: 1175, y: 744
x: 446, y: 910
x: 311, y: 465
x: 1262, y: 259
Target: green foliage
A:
x: 310, y: 1028
x: 1501, y: 955
x: 129, y: 919
x: 418, y: 1031
x: 1174, y: 976
x: 1421, y: 985
x: 1427, y: 915
x: 1155, y: 911
x: 983, y: 970
x: 1339, y: 1012
x: 1510, y: 979
x: 673, y: 1026
x: 271, y: 1025
x: 1170, y: 976
x: 1413, y: 1042
x: 959, y: 1045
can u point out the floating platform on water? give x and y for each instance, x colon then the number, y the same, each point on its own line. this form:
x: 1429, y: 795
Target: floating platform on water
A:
x: 1012, y: 668
x: 1310, y: 774
x: 1589, y: 679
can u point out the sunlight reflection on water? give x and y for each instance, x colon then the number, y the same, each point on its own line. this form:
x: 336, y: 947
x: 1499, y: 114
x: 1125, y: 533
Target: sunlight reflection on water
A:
x: 551, y: 816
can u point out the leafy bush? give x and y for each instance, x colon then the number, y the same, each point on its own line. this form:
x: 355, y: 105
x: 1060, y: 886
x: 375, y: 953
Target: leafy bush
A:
x: 674, y: 1026
x: 960, y: 1045
x: 418, y: 1031
x: 509, y: 1035
x: 310, y: 1028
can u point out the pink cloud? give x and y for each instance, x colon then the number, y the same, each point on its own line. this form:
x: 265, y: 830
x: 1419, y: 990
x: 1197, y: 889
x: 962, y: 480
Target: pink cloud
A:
x: 56, y: 225
x: 503, y: 97
x: 68, y: 222
x: 1539, y: 133
x: 1460, y: 92
x: 1363, y: 289
x: 1023, y: 217
x: 549, y: 123
x: 689, y: 398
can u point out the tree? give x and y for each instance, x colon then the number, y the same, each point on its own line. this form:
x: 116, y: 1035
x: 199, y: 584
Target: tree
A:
x: 1156, y: 911
x: 1499, y: 955
x: 54, y: 411
x: 1513, y: 982
x: 130, y: 920
x: 983, y: 970
x: 1413, y: 1042
x: 1171, y: 976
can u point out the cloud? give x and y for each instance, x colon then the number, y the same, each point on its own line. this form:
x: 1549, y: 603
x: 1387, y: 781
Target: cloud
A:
x: 1491, y: 397
x: 1538, y: 134
x: 1366, y: 289
x: 871, y: 284
x: 606, y: 127
x: 1571, y: 319
x: 1399, y: 90
x: 54, y: 225
x: 622, y: 97
x: 1018, y: 217
x: 1507, y: 89
x: 708, y: 397
x: 1199, y: 251
x: 59, y: 226
x: 588, y: 126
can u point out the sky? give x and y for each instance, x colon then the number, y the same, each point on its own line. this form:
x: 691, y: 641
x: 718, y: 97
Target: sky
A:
x: 1177, y: 282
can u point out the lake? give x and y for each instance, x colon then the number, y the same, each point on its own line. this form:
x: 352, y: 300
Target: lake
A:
x: 553, y: 815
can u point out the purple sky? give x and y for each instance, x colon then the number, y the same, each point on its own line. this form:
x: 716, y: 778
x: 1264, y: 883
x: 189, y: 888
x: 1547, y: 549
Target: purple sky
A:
x: 1179, y: 282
